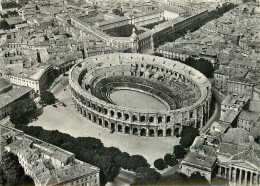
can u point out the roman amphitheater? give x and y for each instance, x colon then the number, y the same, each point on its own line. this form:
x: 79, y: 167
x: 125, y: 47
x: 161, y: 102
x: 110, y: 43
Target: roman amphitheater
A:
x: 139, y: 94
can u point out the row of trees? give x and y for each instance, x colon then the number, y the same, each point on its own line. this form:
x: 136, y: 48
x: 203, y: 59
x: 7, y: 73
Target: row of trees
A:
x: 202, y: 65
x: 148, y: 176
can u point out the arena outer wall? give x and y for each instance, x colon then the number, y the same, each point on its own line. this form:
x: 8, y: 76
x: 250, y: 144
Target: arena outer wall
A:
x: 134, y: 121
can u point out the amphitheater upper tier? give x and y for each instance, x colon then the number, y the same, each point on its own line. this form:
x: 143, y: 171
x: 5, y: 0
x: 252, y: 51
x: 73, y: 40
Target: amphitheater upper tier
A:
x: 185, y: 92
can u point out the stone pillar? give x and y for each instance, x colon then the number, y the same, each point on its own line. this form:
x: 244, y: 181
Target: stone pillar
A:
x: 109, y: 124
x: 235, y: 177
x: 219, y: 171
x: 230, y: 174
x: 164, y: 133
x: 156, y: 132
x: 156, y: 120
x: 209, y: 107
x: 245, y: 181
x: 251, y: 178
x: 257, y: 179
x: 103, y: 122
x: 195, y: 117
x: 139, y: 131
x: 116, y: 127
x: 123, y: 129
x: 240, y: 176
x: 225, y: 172
x: 138, y: 118
x: 147, y: 132
x: 201, y: 119
x: 130, y: 130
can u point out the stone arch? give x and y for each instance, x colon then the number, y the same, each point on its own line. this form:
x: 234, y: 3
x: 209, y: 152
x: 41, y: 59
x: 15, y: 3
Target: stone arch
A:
x: 151, y: 119
x: 106, y: 124
x: 160, y: 119
x: 119, y: 115
x: 134, y: 118
x: 94, y: 119
x: 160, y: 133
x: 126, y: 116
x: 168, y: 119
x: 135, y: 131
x: 89, y: 116
x: 112, y: 113
x: 143, y: 132
x: 112, y: 126
x: 168, y: 132
x: 127, y: 130
x: 105, y: 111
x: 151, y: 132
x: 191, y: 114
x: 176, y: 131
x: 119, y: 128
x: 100, y: 122
x: 142, y: 118
x: 98, y: 108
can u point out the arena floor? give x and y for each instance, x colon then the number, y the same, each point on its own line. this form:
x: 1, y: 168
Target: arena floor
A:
x: 136, y: 100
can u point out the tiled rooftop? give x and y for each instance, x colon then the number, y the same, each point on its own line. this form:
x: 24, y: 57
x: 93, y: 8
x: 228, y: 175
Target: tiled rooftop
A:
x: 12, y: 95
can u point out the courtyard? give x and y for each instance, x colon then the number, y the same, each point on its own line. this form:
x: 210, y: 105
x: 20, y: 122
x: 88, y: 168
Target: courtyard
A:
x: 68, y: 120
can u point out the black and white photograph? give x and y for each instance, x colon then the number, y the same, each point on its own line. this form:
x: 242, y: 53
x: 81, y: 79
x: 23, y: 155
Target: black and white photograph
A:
x: 130, y: 92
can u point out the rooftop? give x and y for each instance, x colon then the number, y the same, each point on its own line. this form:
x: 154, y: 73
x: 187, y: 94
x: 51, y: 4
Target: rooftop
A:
x: 12, y: 95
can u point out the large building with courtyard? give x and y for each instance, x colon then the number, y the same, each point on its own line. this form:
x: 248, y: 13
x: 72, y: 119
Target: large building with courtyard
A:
x: 140, y: 94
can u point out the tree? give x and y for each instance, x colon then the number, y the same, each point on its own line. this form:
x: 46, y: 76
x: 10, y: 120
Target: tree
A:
x: 188, y: 134
x: 170, y: 159
x: 179, y: 151
x: 159, y: 164
x: 108, y: 169
x: 137, y: 161
x: 23, y: 112
x: 202, y: 65
x: 146, y: 175
x: 11, y: 172
x: 176, y: 177
x: 48, y: 98
x: 197, y: 178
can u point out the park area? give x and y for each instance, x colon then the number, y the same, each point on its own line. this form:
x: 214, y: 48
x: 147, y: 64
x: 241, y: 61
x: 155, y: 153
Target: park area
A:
x: 67, y: 120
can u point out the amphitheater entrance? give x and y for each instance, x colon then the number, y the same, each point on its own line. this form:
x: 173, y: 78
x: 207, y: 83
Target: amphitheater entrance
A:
x: 119, y: 127
x: 160, y: 133
x: 168, y: 132
x: 176, y: 132
x: 151, y: 132
x: 143, y: 132
x: 127, y: 130
x: 112, y: 126
x: 132, y: 99
x: 135, y: 131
